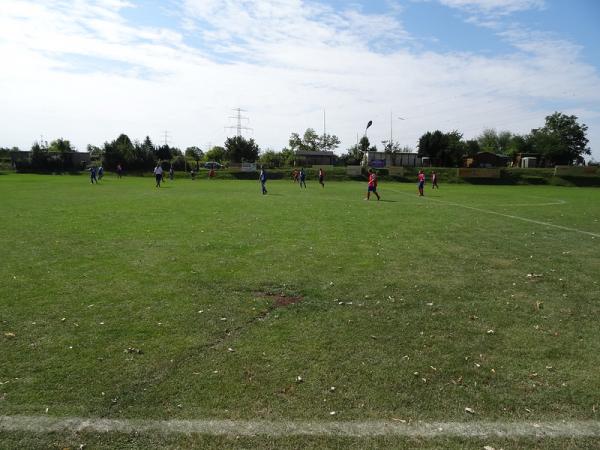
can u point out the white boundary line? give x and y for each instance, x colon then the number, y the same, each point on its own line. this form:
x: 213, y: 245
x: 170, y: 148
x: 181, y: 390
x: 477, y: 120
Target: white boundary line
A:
x: 556, y: 429
x: 510, y: 216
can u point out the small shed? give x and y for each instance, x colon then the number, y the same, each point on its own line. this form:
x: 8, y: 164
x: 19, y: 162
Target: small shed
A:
x: 487, y: 159
x: 383, y: 159
x: 315, y: 158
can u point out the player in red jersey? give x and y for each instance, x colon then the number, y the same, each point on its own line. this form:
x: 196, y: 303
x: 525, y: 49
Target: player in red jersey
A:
x: 421, y: 182
x: 372, y: 185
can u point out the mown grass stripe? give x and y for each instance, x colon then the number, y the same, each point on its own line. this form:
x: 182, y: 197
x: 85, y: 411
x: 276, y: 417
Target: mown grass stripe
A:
x: 554, y: 429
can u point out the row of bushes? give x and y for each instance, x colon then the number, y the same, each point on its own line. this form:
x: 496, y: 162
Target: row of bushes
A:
x: 508, y: 176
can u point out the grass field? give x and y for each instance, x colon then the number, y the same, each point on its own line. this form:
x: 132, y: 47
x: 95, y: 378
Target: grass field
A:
x: 484, y: 297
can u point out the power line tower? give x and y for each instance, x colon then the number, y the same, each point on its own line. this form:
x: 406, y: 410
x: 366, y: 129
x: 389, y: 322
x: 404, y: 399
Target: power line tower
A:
x: 238, y: 117
x: 166, y: 138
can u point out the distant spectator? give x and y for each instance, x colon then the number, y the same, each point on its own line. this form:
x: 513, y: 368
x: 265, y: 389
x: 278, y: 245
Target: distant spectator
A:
x: 434, y: 183
x: 119, y: 171
x: 158, y: 173
x: 263, y: 180
x: 322, y: 178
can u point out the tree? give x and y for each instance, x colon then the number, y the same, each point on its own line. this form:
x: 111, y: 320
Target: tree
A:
x: 472, y: 147
x: 356, y: 153
x: 271, y: 159
x: 562, y: 140
x: 312, y: 142
x: 61, y: 146
x: 61, y: 151
x: 164, y: 153
x: 194, y: 153
x: 391, y: 147
x: 96, y: 153
x: 119, y: 151
x: 447, y: 148
x: 431, y: 144
x: 39, y: 155
x: 308, y: 143
x: 492, y: 141
x: 289, y: 157
x: 217, y: 154
x: 328, y: 142
x: 238, y: 149
x: 519, y: 144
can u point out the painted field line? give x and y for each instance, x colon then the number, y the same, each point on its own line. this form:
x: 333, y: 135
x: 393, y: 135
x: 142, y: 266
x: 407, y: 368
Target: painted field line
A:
x: 510, y: 216
x: 46, y: 424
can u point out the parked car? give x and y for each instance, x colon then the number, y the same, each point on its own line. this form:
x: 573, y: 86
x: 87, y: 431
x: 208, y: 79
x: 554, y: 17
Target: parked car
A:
x: 213, y: 165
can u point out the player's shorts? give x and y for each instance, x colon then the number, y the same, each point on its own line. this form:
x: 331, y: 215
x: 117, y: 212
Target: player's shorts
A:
x: 421, y: 184
x: 372, y: 188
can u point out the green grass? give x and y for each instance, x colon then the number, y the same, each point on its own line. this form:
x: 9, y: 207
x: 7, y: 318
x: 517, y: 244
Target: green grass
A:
x: 190, y: 270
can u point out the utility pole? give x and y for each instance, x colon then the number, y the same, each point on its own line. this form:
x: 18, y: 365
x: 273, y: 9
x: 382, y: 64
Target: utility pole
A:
x: 238, y: 117
x: 166, y: 138
x: 324, y: 131
x: 391, y: 131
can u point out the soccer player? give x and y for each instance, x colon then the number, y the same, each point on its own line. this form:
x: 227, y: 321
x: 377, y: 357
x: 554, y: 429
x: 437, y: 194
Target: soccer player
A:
x: 322, y: 178
x: 119, y: 171
x: 171, y: 173
x: 295, y: 175
x: 434, y: 180
x: 158, y: 173
x: 421, y: 179
x: 100, y: 172
x: 93, y: 175
x: 263, y: 180
x: 372, y: 187
x: 302, y: 178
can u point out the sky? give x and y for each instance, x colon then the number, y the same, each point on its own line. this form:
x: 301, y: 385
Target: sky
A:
x: 89, y: 70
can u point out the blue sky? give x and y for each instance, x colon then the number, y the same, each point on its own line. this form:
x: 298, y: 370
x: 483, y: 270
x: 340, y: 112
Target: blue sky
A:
x: 89, y: 70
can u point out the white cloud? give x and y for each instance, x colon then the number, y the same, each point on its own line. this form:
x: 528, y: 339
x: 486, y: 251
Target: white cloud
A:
x: 285, y: 62
x: 494, y: 7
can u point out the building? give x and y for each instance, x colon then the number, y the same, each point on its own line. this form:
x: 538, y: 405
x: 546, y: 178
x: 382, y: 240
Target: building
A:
x: 487, y: 159
x: 383, y: 159
x: 313, y: 158
x: 528, y: 160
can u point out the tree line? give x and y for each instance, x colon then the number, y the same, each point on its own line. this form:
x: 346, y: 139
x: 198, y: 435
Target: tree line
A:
x: 562, y: 140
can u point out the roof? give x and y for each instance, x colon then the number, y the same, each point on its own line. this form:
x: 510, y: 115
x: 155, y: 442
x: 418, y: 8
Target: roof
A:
x: 499, y: 155
x: 313, y: 153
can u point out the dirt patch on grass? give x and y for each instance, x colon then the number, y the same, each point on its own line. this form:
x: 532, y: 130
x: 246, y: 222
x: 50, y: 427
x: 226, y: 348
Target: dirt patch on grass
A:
x: 281, y: 299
